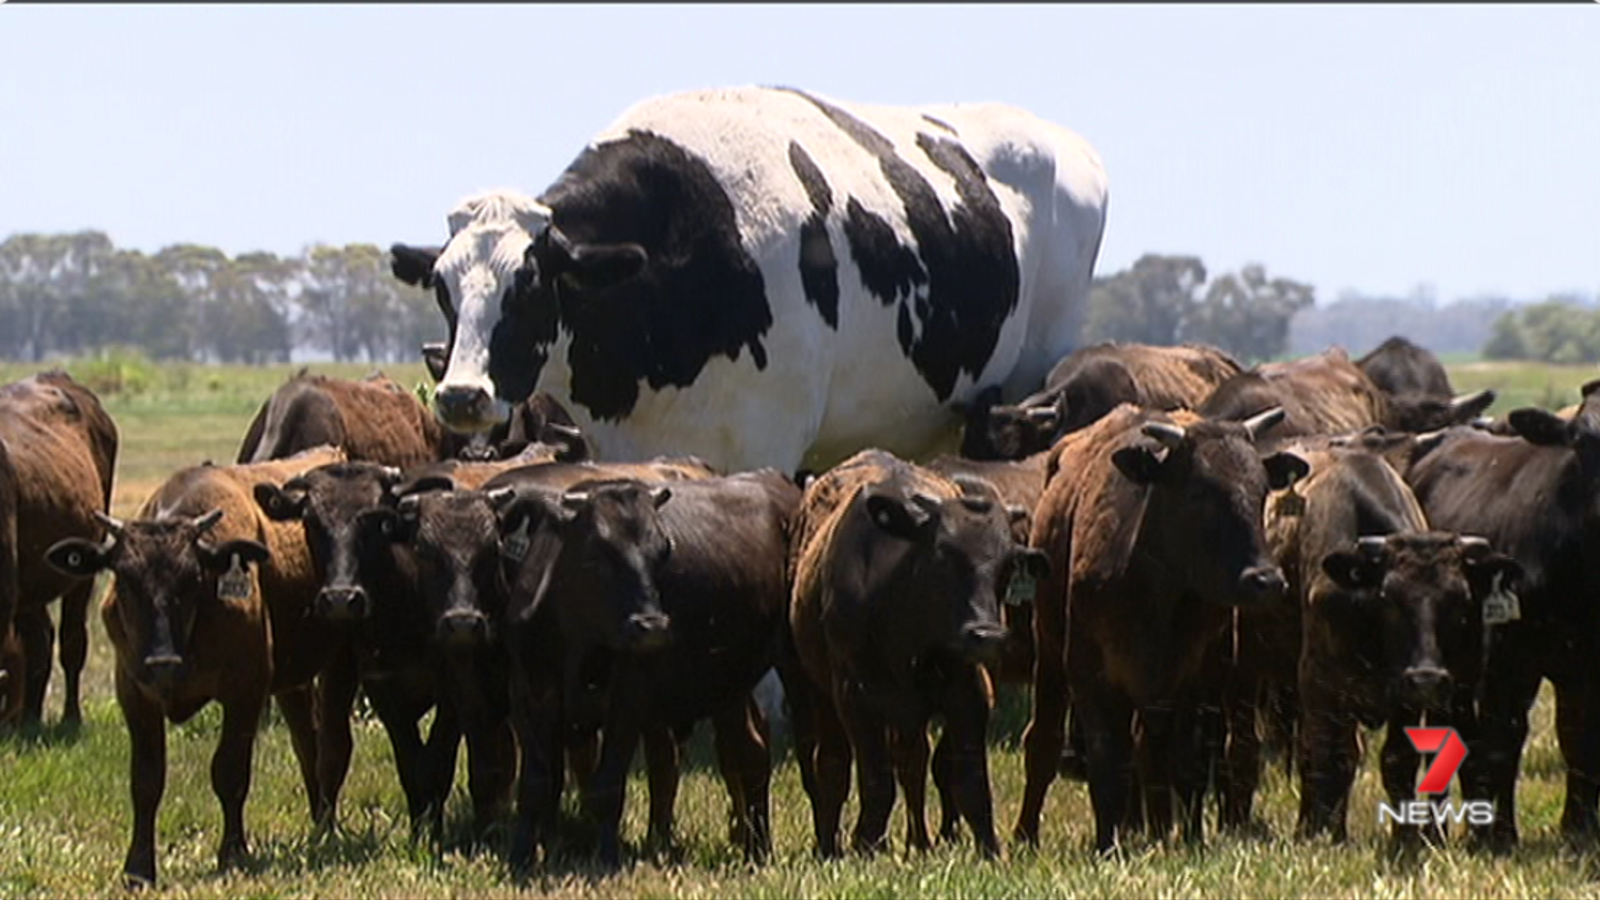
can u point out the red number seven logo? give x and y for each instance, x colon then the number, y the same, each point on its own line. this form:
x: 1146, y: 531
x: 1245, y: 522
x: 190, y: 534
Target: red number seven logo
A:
x: 1446, y: 743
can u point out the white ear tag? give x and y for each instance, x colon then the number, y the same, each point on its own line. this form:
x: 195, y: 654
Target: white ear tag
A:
x: 234, y: 583
x: 1501, y: 606
x: 515, y: 545
x: 1021, y: 590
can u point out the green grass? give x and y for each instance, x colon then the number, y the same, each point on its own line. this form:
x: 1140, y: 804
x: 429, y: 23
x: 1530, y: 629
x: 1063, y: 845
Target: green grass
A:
x: 65, y: 813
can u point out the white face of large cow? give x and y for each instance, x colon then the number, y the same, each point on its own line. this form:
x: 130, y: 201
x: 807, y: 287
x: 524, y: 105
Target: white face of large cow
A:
x: 497, y: 283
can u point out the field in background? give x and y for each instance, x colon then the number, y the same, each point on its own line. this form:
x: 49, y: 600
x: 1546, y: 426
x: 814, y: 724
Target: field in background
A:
x: 64, y: 810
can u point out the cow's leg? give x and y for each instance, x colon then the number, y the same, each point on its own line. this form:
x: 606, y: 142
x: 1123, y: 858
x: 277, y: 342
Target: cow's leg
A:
x: 1107, y: 720
x: 74, y: 646
x: 911, y: 768
x: 661, y: 763
x: 1399, y: 767
x: 1493, y: 761
x: 1578, y: 736
x: 1153, y: 752
x: 1241, y: 759
x: 966, y: 708
x: 399, y: 715
x: 944, y: 782
x: 536, y: 716
x: 745, y: 757
x: 1043, y: 738
x: 147, y: 771
x: 230, y: 774
x: 831, y: 768
x: 1191, y: 765
x: 491, y: 767
x: 606, y: 793
x: 298, y: 706
x: 38, y: 636
x: 336, y: 698
x: 1328, y: 755
x: 869, y: 739
x: 444, y: 745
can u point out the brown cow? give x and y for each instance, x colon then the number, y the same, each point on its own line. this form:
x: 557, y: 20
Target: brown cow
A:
x: 897, y: 574
x: 1328, y: 394
x: 1090, y: 383
x: 63, y: 446
x: 211, y: 601
x: 1152, y: 522
x: 12, y: 664
x: 373, y: 419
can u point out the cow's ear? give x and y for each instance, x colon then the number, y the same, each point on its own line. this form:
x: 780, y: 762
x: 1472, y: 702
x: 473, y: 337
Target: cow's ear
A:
x: 1539, y: 426
x: 413, y: 265
x: 1284, y: 469
x: 217, y: 557
x: 78, y: 557
x: 285, y: 504
x: 1483, y: 570
x: 1352, y: 570
x: 596, y: 266
x: 1141, y: 463
x: 1035, y: 563
x: 898, y: 516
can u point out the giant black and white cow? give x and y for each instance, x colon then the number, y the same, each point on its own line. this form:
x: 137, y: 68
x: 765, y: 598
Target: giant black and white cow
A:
x: 765, y: 276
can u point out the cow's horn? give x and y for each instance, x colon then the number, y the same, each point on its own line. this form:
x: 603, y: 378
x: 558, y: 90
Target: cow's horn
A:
x: 208, y: 521
x: 1372, y: 544
x: 1473, y: 546
x: 574, y: 500
x: 1261, y: 421
x: 112, y: 524
x: 500, y: 498
x: 390, y: 475
x: 1167, y: 434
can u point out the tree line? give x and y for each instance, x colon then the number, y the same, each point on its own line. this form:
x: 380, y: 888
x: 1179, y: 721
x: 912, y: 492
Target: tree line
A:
x: 76, y: 294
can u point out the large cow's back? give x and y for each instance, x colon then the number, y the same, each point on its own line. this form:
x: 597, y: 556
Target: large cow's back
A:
x: 1321, y: 394
x: 850, y: 271
x: 373, y: 419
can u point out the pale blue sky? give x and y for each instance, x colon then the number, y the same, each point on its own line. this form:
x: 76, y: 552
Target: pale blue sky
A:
x: 1356, y: 147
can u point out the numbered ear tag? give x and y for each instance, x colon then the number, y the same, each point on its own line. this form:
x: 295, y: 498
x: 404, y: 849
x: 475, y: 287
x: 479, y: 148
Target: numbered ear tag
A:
x: 1501, y: 606
x: 515, y: 544
x: 234, y: 583
x: 1021, y: 590
x: 1289, y: 503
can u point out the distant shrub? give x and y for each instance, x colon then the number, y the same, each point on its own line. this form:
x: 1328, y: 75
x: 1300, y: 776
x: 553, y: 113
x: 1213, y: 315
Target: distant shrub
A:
x: 117, y: 370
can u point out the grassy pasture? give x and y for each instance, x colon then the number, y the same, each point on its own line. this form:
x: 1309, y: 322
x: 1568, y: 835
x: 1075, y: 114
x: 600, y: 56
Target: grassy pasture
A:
x: 64, y: 809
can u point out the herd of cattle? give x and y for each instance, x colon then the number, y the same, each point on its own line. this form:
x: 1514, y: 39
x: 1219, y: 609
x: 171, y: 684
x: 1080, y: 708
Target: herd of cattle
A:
x: 1180, y: 551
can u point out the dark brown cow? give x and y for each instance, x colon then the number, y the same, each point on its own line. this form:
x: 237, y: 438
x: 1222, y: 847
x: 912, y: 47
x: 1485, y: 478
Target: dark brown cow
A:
x: 1398, y: 367
x: 898, y: 574
x: 63, y: 447
x: 1153, y: 525
x: 1386, y: 625
x: 1090, y: 383
x: 641, y: 608
x: 1537, y: 498
x: 1328, y: 394
x: 211, y: 601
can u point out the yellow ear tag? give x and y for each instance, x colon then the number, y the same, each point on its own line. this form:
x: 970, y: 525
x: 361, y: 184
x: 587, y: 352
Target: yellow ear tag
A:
x: 1288, y: 503
x: 234, y: 583
x: 1501, y: 606
x: 515, y: 545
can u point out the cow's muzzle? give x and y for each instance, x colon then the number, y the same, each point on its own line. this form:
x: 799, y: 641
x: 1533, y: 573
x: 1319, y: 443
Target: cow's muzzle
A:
x: 343, y: 603
x: 647, y: 631
x: 468, y: 409
x: 1262, y: 584
x: 163, y: 670
x: 1427, y: 686
x: 463, y: 628
x: 983, y: 642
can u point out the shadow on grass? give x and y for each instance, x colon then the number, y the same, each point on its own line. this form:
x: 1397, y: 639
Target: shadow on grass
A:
x: 38, y: 736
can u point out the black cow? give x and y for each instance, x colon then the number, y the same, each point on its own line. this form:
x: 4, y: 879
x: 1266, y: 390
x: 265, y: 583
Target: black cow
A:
x: 643, y: 606
x: 1535, y: 497
x: 1398, y: 367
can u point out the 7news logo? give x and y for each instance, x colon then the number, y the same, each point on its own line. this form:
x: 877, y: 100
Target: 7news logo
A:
x: 1449, y: 752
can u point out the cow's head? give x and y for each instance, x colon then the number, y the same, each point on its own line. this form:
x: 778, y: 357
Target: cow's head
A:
x: 168, y: 573
x: 1411, y: 607
x: 1010, y: 431
x: 957, y: 556
x: 333, y: 503
x: 593, y: 553
x: 1577, y: 429
x: 452, y: 539
x: 501, y: 281
x: 1417, y: 413
x: 1208, y: 484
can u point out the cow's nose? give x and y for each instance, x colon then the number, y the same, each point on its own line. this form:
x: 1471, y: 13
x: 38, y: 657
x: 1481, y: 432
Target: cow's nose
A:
x: 1428, y: 684
x: 463, y: 628
x: 342, y: 603
x: 648, y: 631
x: 163, y: 668
x: 463, y: 406
x: 1263, y: 583
x: 983, y: 641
